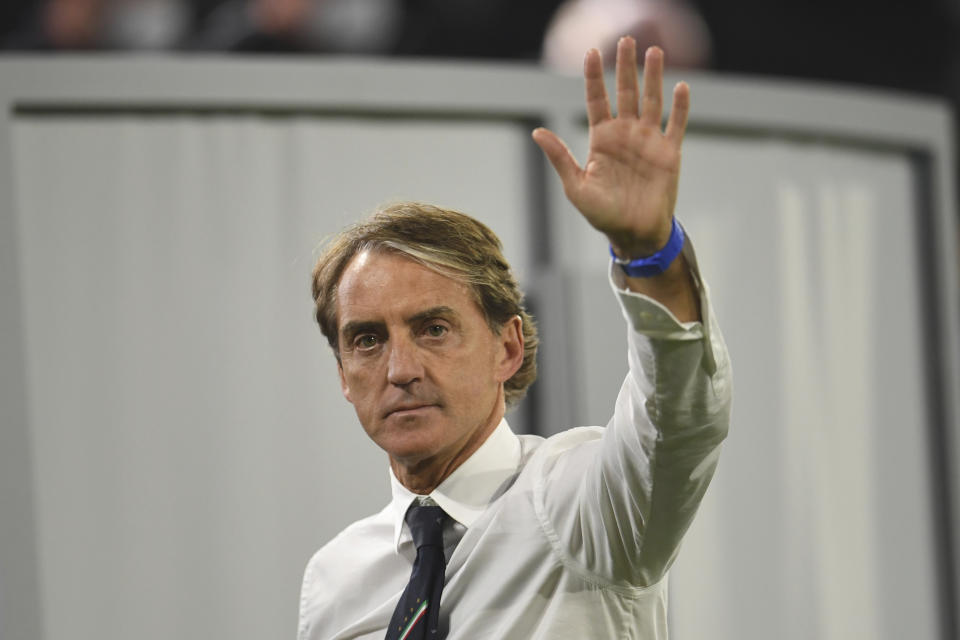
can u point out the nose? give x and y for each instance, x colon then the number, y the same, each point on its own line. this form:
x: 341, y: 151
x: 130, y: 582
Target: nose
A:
x: 403, y: 365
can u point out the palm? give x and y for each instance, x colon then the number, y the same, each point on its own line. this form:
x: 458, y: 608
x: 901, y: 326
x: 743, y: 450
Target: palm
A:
x: 629, y: 182
x: 628, y: 187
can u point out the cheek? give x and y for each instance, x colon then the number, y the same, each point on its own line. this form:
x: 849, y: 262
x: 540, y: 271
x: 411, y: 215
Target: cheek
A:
x: 357, y: 385
x: 476, y: 375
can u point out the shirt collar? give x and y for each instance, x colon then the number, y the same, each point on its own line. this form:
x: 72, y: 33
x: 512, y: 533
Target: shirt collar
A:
x: 466, y: 492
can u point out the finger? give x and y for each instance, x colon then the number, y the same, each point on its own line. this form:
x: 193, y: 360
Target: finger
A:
x: 627, y: 78
x: 598, y: 106
x: 652, y: 109
x: 559, y: 156
x: 677, y: 125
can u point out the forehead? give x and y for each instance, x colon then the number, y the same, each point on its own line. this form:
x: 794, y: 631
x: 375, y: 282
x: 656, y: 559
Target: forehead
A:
x: 376, y: 284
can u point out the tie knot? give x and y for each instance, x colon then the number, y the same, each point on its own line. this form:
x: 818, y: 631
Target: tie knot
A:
x: 426, y: 525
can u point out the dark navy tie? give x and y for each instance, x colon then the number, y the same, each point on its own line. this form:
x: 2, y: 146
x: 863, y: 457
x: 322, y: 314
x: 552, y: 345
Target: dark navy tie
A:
x: 417, y: 616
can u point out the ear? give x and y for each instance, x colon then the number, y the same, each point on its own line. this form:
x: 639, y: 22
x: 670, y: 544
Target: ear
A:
x: 511, y: 349
x: 343, y: 382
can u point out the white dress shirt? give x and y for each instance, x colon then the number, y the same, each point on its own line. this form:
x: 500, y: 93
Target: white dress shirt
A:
x: 565, y: 537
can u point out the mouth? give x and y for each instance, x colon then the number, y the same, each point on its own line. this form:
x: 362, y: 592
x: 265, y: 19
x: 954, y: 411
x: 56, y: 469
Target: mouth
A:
x: 409, y: 410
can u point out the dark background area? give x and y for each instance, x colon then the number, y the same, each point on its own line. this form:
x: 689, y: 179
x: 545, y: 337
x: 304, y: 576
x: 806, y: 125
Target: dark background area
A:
x: 911, y: 46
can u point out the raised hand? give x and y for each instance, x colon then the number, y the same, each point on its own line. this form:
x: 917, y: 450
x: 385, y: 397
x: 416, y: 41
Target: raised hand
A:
x: 628, y: 187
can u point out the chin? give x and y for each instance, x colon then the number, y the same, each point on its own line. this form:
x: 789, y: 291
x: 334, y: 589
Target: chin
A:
x: 409, y: 442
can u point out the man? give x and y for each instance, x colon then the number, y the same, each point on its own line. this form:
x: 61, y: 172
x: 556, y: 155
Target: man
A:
x: 521, y: 537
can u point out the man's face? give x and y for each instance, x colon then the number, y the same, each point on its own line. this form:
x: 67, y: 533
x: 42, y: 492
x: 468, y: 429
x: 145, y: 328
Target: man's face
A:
x: 418, y: 361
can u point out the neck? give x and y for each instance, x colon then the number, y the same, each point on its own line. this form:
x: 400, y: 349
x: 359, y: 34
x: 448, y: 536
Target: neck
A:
x: 425, y: 475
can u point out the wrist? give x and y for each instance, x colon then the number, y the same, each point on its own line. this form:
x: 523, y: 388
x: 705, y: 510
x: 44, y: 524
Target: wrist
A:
x: 631, y: 244
x: 651, y: 264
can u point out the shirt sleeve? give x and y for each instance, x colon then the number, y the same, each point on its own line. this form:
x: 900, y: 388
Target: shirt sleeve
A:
x: 618, y: 505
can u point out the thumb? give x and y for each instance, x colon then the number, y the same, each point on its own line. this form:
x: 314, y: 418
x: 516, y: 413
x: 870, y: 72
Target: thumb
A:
x: 559, y: 156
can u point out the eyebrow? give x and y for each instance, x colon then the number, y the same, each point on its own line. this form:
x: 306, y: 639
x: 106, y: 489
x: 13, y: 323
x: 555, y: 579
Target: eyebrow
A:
x: 433, y: 312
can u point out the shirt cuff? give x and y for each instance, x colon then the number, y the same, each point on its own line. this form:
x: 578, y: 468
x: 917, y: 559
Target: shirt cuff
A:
x: 648, y: 317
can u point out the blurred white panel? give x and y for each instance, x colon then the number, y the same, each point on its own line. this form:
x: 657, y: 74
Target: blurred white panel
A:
x: 191, y: 446
x: 819, y: 521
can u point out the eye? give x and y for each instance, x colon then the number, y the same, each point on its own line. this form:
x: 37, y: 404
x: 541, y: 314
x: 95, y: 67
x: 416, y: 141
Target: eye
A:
x: 436, y: 330
x: 365, y: 341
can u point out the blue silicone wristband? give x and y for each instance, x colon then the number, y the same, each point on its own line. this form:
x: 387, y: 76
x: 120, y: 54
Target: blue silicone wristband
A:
x: 657, y: 263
